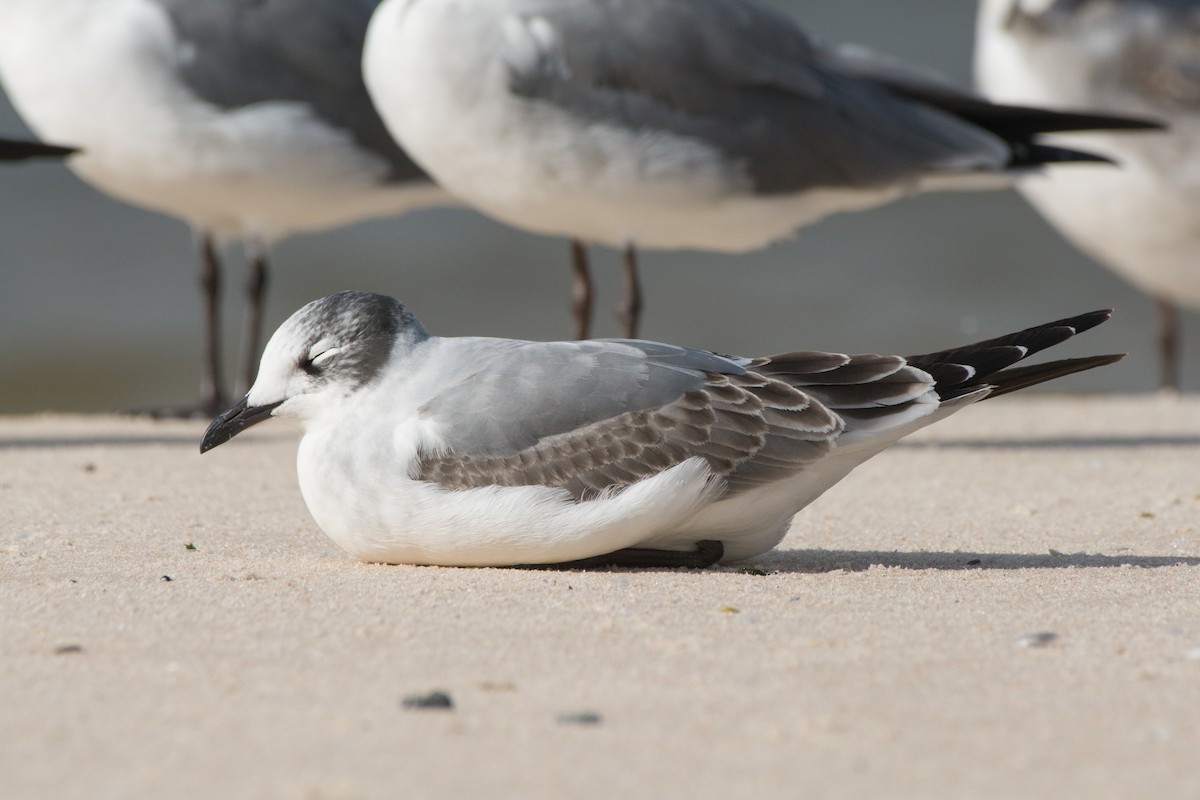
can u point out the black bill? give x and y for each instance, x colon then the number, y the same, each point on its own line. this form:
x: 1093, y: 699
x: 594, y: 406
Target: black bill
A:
x: 233, y: 422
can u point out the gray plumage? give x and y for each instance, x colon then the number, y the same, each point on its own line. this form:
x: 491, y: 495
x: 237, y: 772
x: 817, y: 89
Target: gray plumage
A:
x: 371, y: 321
x: 244, y: 53
x: 746, y: 79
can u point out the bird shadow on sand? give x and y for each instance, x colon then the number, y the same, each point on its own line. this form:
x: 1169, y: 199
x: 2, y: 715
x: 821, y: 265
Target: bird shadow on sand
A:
x: 1115, y: 442
x: 136, y: 438
x: 114, y: 440
x: 813, y: 562
x: 819, y: 561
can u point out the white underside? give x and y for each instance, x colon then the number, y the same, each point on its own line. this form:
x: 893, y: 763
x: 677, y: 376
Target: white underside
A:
x: 102, y: 75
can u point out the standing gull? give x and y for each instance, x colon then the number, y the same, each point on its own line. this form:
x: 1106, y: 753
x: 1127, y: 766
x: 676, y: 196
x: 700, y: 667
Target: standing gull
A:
x: 709, y: 124
x: 1125, y: 56
x: 248, y: 120
x: 470, y: 451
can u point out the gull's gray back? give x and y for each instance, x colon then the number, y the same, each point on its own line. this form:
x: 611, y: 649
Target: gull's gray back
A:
x: 512, y: 394
x: 304, y: 51
x: 743, y: 78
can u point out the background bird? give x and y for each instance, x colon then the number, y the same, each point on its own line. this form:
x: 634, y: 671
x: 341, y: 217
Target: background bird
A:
x: 248, y: 120
x: 1125, y: 56
x: 100, y: 308
x: 710, y: 124
x: 474, y: 451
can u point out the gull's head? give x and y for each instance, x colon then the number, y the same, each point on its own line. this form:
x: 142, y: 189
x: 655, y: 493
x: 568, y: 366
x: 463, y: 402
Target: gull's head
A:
x: 322, y: 355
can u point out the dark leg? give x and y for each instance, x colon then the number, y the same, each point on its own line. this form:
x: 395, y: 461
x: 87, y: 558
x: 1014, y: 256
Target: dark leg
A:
x: 629, y: 313
x: 256, y: 292
x: 212, y: 395
x: 581, y: 290
x: 706, y: 554
x: 1168, y: 343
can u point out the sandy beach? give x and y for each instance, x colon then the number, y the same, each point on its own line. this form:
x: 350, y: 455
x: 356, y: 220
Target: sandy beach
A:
x: 1006, y: 605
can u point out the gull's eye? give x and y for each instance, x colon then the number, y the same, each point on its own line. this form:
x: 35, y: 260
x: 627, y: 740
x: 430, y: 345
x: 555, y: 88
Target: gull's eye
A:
x: 318, y: 359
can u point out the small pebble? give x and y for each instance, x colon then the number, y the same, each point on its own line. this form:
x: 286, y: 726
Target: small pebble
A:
x: 580, y: 718
x: 754, y: 571
x: 68, y: 649
x: 1040, y: 639
x: 166, y: 579
x: 428, y: 700
x: 728, y: 610
x: 498, y: 686
x: 189, y: 546
x: 974, y: 561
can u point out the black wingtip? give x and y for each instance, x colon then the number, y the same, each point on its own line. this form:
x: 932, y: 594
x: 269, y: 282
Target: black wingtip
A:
x: 1030, y: 155
x: 1085, y: 322
x: 17, y: 150
x: 1015, y: 378
x: 1025, y: 122
x: 990, y: 363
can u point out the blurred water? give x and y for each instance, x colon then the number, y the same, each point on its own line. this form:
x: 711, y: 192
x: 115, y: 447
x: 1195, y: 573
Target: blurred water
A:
x: 99, y: 311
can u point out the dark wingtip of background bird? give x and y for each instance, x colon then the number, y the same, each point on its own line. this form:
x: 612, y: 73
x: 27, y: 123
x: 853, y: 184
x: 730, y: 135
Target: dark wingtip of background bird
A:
x: 1029, y: 121
x: 18, y: 150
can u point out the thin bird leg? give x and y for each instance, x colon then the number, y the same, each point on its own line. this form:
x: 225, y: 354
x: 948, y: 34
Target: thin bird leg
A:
x: 1168, y: 343
x: 629, y: 313
x: 256, y: 292
x: 212, y: 394
x: 706, y: 554
x: 581, y: 290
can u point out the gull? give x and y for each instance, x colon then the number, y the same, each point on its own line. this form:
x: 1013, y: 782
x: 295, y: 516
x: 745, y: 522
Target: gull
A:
x: 22, y: 150
x: 473, y: 451
x: 1124, y: 56
x: 706, y: 124
x: 249, y: 121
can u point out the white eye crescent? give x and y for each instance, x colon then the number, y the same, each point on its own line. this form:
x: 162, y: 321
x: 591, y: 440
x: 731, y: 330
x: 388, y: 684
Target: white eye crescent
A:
x: 319, y: 358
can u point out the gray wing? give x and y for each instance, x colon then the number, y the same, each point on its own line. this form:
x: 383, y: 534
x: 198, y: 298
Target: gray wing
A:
x: 741, y: 77
x: 644, y: 408
x: 304, y: 51
x: 623, y: 416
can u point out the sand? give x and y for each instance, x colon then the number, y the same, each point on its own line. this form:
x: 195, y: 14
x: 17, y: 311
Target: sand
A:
x: 1004, y: 606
